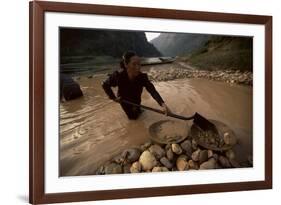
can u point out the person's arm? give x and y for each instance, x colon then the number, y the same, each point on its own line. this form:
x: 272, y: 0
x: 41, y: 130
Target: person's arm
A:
x: 151, y: 89
x: 111, y: 81
x: 153, y: 92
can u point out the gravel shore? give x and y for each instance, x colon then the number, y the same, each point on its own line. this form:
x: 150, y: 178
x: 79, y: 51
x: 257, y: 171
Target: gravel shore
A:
x: 228, y: 76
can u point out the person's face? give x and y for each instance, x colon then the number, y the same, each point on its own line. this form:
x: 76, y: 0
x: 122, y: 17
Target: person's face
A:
x: 134, y: 65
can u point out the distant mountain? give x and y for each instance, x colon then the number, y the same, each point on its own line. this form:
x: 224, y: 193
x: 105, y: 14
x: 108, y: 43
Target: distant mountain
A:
x: 224, y: 52
x: 179, y: 44
x: 86, y: 42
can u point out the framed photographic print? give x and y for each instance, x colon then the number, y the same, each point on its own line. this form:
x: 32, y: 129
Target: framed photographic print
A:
x: 132, y: 102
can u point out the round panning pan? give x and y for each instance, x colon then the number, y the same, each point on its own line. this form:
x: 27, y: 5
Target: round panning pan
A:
x: 169, y: 131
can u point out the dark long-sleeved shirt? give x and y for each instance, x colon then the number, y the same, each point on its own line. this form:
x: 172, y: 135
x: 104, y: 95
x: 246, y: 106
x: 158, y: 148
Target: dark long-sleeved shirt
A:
x: 130, y: 90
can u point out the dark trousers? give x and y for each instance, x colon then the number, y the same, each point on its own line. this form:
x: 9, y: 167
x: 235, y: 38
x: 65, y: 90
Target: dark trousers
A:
x: 131, y: 111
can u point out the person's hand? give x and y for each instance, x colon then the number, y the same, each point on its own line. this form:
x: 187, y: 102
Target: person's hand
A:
x: 165, y: 109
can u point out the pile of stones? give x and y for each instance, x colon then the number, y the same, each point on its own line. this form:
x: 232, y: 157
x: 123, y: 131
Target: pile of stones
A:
x: 152, y: 157
x: 228, y: 76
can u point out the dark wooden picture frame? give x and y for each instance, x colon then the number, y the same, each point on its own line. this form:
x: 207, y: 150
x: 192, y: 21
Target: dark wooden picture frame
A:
x: 37, y: 96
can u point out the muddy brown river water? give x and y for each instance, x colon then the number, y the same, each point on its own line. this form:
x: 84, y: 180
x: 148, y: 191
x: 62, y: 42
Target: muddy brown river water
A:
x: 93, y: 128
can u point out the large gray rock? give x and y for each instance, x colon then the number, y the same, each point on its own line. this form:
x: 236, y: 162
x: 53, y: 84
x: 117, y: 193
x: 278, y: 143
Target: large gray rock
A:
x: 147, y: 161
x: 210, y: 164
x: 157, y: 151
x: 131, y: 155
x: 195, y: 155
x: 203, y: 156
x: 166, y: 162
x: 187, y: 147
x: 170, y: 154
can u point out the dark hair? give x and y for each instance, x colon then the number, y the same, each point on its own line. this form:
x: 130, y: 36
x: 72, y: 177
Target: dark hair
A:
x: 126, y: 58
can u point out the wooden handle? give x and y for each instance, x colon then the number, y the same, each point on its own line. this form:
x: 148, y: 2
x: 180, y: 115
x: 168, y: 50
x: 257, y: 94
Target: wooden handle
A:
x: 158, y: 111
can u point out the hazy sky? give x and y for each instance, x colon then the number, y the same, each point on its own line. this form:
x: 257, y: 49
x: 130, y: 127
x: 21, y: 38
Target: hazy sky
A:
x: 150, y: 35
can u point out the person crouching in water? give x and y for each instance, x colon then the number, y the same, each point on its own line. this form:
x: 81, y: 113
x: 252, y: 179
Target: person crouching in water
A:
x: 130, y: 82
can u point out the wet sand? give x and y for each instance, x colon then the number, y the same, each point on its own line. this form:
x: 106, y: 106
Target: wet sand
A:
x: 93, y: 128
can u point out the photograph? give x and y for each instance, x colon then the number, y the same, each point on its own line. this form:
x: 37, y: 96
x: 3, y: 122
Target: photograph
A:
x: 141, y: 101
x: 129, y: 102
